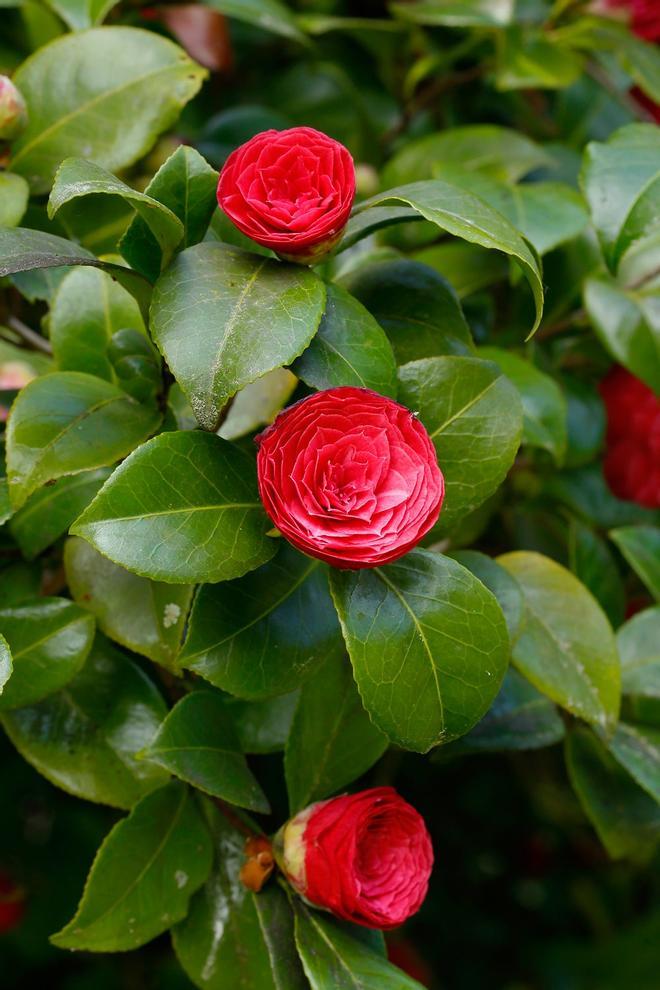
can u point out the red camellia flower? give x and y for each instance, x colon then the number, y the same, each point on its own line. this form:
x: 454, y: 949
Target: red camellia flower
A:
x: 291, y: 191
x: 644, y: 16
x: 365, y: 857
x: 632, y: 455
x: 350, y: 477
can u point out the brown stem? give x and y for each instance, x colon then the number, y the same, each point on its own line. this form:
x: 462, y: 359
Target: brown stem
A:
x: 36, y: 341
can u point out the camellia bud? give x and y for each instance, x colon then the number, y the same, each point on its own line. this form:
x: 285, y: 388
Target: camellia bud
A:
x: 365, y: 857
x: 12, y: 903
x: 13, y: 112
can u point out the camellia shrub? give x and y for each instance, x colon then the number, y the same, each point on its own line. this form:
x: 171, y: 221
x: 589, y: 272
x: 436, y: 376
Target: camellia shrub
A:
x: 330, y: 494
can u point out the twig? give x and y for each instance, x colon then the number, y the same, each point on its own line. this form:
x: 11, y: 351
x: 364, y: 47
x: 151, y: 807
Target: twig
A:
x: 30, y: 336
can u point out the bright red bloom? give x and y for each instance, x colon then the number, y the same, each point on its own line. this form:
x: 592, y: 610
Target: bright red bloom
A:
x: 350, y: 477
x: 291, y: 191
x: 632, y: 456
x: 365, y: 857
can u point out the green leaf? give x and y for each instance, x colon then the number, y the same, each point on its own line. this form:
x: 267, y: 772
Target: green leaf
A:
x: 69, y: 422
x: 592, y: 562
x: 335, y: 960
x: 232, y: 937
x: 14, y: 195
x: 432, y: 664
x: 257, y: 404
x: 415, y: 306
x: 136, y: 364
x: 81, y: 14
x: 498, y: 151
x: 349, y: 348
x: 529, y: 59
x: 23, y: 250
x: 543, y: 404
x: 77, y: 177
x: 146, y: 616
x: 143, y: 875
x: 627, y: 321
x: 197, y: 743
x: 122, y: 87
x: 473, y: 415
x: 263, y: 726
x: 6, y: 665
x: 182, y: 508
x: 566, y: 647
x: 265, y: 633
x: 245, y: 315
x: 49, y: 512
x: 466, y: 267
x: 621, y: 181
x: 332, y: 740
x: 546, y: 213
x: 87, y: 309
x: 638, y: 641
x: 625, y: 817
x: 585, y: 491
x: 455, y: 13
x: 640, y: 545
x: 84, y: 738
x: 505, y: 588
x: 637, y: 749
x: 49, y: 639
x: 19, y: 582
x: 270, y: 15
x: 585, y: 421
x: 186, y: 185
x: 464, y: 215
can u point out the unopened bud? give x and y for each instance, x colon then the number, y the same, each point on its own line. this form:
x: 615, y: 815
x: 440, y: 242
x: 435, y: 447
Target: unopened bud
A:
x: 13, y: 112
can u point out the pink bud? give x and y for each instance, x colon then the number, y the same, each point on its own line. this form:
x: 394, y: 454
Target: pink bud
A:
x: 13, y: 112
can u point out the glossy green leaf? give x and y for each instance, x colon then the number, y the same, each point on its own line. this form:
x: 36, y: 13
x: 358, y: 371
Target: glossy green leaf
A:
x: 23, y: 250
x: 499, y: 151
x: 332, y: 740
x: 87, y: 309
x: 566, y: 647
x: 244, y: 315
x: 77, y: 177
x: 626, y: 818
x: 84, y: 737
x: 265, y: 633
x: 232, y: 937
x: 19, y: 582
x: 627, y: 321
x: 186, y: 185
x: 81, y: 14
x: 49, y: 639
x: 148, y: 617
x: 637, y: 748
x: 432, y: 664
x: 182, y: 508
x: 349, y: 348
x: 5, y: 503
x: 197, y: 742
x: 621, y: 181
x: 543, y: 404
x: 257, y: 404
x: 546, y: 213
x: 415, y: 306
x: 640, y: 545
x: 464, y: 215
x: 467, y: 267
x: 263, y: 726
x: 499, y: 581
x: 456, y: 13
x: 519, y: 719
x: 638, y: 641
x: 143, y: 875
x: 49, y: 512
x: 473, y: 415
x: 529, y: 59
x: 6, y: 665
x: 104, y: 95
x: 270, y: 15
x: 69, y: 422
x: 593, y: 563
x: 14, y: 195
x: 335, y: 960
